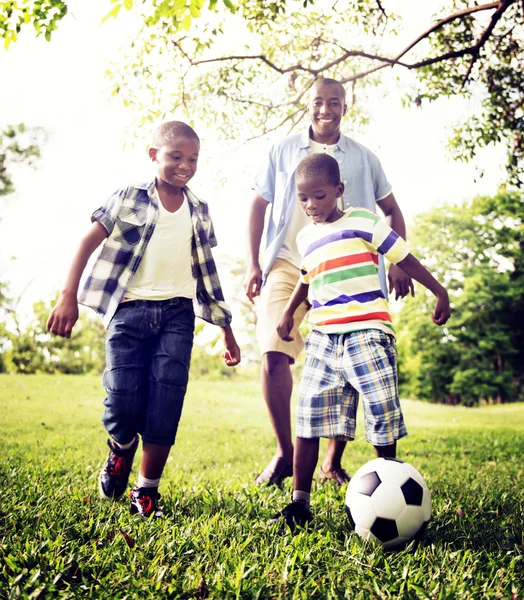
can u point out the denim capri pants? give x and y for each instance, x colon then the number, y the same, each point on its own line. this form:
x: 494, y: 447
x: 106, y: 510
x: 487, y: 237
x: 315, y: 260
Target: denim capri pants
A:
x: 338, y: 369
x: 148, y: 351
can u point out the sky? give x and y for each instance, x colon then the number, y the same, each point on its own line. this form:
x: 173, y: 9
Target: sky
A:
x: 61, y: 86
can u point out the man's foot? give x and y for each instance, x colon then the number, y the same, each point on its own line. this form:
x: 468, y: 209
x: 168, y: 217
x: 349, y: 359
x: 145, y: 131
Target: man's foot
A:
x: 113, y: 478
x: 144, y: 501
x: 296, y: 514
x: 275, y: 473
x: 339, y: 476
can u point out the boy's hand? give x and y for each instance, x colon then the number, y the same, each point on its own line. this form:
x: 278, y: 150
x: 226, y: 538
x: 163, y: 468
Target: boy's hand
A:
x: 231, y: 353
x: 285, y: 326
x: 442, y: 310
x: 63, y: 316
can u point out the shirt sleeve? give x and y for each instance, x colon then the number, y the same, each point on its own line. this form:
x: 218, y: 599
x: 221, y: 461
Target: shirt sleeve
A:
x: 381, y: 185
x: 211, y: 231
x: 264, y: 184
x: 106, y: 215
x: 388, y: 243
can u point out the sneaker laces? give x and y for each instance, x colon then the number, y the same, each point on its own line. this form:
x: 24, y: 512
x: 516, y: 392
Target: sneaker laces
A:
x: 117, y: 465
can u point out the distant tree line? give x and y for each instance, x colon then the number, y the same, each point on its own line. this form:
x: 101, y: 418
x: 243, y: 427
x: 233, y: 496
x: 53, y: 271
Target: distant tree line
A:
x: 477, y: 249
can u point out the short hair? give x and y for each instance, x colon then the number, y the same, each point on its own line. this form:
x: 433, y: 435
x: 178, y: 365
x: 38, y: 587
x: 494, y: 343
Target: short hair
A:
x: 319, y: 164
x: 170, y: 130
x: 329, y: 81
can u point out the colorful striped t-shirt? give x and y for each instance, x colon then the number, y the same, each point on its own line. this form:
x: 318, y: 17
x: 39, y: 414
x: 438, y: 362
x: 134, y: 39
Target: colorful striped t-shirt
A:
x: 340, y: 265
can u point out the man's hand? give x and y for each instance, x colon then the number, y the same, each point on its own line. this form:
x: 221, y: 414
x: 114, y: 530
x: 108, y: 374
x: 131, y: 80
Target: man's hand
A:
x: 63, y: 316
x: 285, y: 326
x: 253, y: 282
x: 400, y: 281
x: 231, y: 353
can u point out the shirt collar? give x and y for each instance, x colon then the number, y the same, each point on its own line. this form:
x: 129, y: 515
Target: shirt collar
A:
x: 150, y: 188
x: 342, y: 140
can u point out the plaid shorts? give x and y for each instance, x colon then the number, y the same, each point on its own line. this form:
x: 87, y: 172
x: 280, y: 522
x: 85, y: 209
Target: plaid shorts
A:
x: 339, y: 368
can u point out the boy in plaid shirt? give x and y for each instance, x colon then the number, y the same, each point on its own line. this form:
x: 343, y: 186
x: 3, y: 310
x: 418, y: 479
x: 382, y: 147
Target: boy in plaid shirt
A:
x: 155, y: 271
x: 351, y: 348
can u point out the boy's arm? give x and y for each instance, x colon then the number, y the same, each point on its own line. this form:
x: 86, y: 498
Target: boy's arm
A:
x: 286, y: 322
x: 65, y: 314
x: 231, y: 353
x: 416, y: 270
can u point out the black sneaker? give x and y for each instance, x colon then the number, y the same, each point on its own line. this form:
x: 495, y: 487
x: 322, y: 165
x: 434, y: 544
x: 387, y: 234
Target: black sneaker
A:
x: 113, y: 478
x: 144, y: 501
x: 296, y: 514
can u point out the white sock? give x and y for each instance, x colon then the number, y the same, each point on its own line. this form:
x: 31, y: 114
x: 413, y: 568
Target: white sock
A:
x: 147, y: 483
x: 125, y: 446
x: 300, y: 495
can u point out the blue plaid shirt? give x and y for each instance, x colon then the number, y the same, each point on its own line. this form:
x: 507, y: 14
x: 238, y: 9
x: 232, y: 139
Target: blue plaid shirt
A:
x: 129, y: 216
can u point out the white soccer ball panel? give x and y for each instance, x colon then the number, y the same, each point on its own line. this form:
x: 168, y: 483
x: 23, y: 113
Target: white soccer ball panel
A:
x: 410, y: 521
x: 364, y: 533
x: 388, y: 500
x: 426, y: 505
x: 392, y: 470
x: 362, y: 511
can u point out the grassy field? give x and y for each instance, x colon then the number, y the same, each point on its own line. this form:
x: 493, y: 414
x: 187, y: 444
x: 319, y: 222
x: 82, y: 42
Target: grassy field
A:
x: 58, y: 540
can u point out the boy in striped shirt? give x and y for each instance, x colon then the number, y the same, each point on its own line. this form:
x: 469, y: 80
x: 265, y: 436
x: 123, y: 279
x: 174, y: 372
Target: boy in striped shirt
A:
x: 351, y: 348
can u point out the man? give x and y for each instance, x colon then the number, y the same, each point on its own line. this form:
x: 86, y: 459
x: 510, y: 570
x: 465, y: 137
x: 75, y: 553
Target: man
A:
x: 365, y: 185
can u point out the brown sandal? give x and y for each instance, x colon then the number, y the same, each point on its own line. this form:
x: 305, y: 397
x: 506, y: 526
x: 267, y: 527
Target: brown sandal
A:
x: 275, y: 472
x: 339, y: 476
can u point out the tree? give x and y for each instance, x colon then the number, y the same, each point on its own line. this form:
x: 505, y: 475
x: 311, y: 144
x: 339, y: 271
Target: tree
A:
x: 253, y: 70
x: 250, y: 64
x: 19, y: 144
x: 30, y: 349
x: 477, y: 250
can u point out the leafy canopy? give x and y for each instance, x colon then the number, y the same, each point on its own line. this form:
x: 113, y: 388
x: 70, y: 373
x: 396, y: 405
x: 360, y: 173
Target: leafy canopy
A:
x: 246, y: 66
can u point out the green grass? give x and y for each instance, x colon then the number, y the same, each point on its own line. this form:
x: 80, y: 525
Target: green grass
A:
x: 57, y: 539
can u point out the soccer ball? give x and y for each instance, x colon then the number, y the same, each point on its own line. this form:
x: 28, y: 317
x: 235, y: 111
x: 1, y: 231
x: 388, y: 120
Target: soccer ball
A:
x: 388, y: 501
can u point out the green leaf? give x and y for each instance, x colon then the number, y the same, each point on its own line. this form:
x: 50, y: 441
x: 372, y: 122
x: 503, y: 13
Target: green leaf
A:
x: 128, y: 4
x: 113, y: 13
x: 186, y: 23
x: 195, y: 12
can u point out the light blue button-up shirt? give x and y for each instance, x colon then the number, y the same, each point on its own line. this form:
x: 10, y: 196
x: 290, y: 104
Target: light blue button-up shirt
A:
x: 360, y: 170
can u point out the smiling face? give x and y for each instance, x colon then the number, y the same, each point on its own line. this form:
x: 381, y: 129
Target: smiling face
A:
x: 318, y: 198
x: 176, y: 161
x: 326, y: 108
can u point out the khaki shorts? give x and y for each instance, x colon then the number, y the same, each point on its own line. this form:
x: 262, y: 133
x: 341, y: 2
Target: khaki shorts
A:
x: 277, y: 290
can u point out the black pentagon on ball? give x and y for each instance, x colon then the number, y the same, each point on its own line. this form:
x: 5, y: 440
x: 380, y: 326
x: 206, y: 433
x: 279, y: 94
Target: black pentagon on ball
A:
x: 368, y: 483
x: 413, y: 492
x: 384, y: 529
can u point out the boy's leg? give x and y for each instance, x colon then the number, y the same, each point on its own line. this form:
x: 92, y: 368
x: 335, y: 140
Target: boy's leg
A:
x: 370, y: 365
x: 297, y: 512
x: 173, y: 324
x: 124, y: 381
x: 304, y: 463
x: 387, y: 451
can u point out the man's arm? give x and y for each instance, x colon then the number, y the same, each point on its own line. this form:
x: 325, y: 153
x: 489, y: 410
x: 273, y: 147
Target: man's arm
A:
x: 256, y: 227
x: 398, y: 279
x: 65, y: 314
